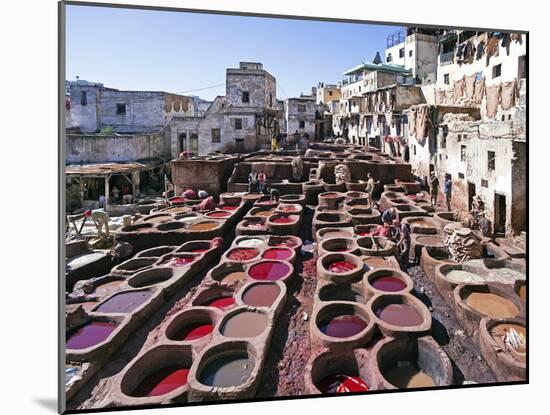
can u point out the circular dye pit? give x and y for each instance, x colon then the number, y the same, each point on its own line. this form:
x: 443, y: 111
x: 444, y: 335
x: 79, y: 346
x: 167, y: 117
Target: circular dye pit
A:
x: 402, y: 315
x: 261, y: 295
x: 192, y: 332
x: 244, y: 324
x: 340, y: 292
x: 204, y: 226
x: 89, y: 334
x: 233, y: 277
x: 459, y: 276
x: 288, y: 208
x: 243, y: 254
x: 264, y: 213
x: 228, y: 207
x: 343, y: 326
x: 340, y: 267
x: 162, y: 381
x: 250, y: 242
x: 124, y: 302
x: 388, y: 283
x: 282, y: 242
x: 277, y: 253
x: 221, y: 302
x: 491, y: 305
x: 253, y: 225
x: 218, y: 215
x: 405, y: 375
x: 337, y: 234
x: 227, y: 371
x: 340, y: 383
x: 268, y: 270
x: 182, y: 261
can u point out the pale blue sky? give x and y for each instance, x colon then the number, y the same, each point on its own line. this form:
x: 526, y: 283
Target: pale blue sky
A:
x: 178, y: 52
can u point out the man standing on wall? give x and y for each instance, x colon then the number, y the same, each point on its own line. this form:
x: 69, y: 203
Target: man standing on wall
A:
x: 434, y: 188
x: 448, y: 189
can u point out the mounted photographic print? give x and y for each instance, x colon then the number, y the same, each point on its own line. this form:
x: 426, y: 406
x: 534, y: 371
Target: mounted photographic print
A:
x: 261, y: 207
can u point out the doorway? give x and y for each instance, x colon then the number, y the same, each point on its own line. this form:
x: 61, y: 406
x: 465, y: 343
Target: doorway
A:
x: 239, y: 145
x: 194, y: 144
x: 471, y: 194
x: 183, y: 142
x: 500, y: 213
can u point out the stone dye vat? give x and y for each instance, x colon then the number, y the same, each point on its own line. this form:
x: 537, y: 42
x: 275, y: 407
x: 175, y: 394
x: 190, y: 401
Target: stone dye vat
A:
x: 339, y: 267
x: 228, y: 273
x: 90, y: 334
x: 397, y: 315
x: 124, y: 302
x: 364, y: 216
x: 150, y: 277
x: 243, y: 322
x: 330, y: 219
x: 284, y: 224
x: 474, y: 302
x: 407, y: 363
x: 423, y: 225
x: 192, y: 325
x: 339, y: 292
x: 260, y: 294
x: 431, y: 257
x: 333, y: 245
x: 341, y: 324
x: 156, y: 252
x: 503, y: 344
x: 216, y: 297
x: 331, y: 200
x: 330, y: 372
x: 326, y: 233
x: 386, y: 280
x: 242, y: 254
x: 279, y: 253
x: 133, y: 265
x: 376, y: 246
x: 270, y: 270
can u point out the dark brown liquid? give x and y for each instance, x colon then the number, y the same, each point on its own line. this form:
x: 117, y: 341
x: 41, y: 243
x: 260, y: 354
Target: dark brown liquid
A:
x: 261, y: 295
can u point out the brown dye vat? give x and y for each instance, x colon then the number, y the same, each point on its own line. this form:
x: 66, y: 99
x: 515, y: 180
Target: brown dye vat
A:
x: 233, y: 277
x: 498, y: 332
x: 107, y: 288
x: 402, y: 315
x: 407, y: 376
x: 422, y: 222
x: 244, y: 324
x: 264, y: 213
x: 337, y: 234
x: 204, y: 226
x: 491, y: 305
x: 261, y: 295
x: 430, y: 240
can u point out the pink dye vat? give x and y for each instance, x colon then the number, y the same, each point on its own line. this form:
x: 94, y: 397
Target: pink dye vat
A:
x: 268, y: 270
x: 282, y: 219
x: 388, y: 283
x: 277, y: 253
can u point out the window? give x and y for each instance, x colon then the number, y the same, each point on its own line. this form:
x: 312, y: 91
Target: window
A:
x: 270, y: 100
x: 491, y: 160
x: 463, y: 153
x: 497, y: 70
x: 301, y: 108
x: 414, y: 149
x: 460, y: 175
x: 446, y: 79
x: 445, y: 131
x: 246, y: 96
x: 484, y: 183
x: 238, y: 124
x: 120, y: 109
x: 83, y: 98
x: 410, y: 53
x: 302, y: 125
x: 522, y: 66
x: 216, y: 135
x: 329, y: 93
x: 388, y: 58
x: 402, y: 52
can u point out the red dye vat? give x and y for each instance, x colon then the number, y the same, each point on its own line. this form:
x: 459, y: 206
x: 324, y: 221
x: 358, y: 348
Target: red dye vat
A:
x: 282, y: 219
x: 163, y: 381
x: 277, y: 253
x: 89, y: 335
x: 388, y: 283
x: 342, y: 384
x: 181, y: 262
x: 218, y: 214
x: 342, y: 326
x: 228, y: 207
x: 242, y: 254
x: 269, y: 270
x: 340, y: 267
x: 193, y: 332
x: 221, y: 302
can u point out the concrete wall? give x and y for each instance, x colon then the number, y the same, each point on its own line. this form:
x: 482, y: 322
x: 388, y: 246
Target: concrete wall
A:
x: 209, y: 175
x: 420, y: 55
x: 82, y: 148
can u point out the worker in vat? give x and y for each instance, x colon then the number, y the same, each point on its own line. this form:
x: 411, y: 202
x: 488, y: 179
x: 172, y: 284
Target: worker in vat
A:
x: 370, y: 189
x: 486, y: 226
x: 101, y: 220
x: 389, y: 215
x: 434, y: 188
x: 448, y: 189
x: 404, y: 242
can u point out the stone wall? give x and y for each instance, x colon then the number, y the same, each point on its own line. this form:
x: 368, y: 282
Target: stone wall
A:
x: 209, y: 175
